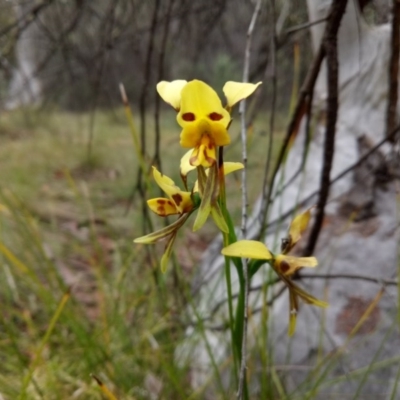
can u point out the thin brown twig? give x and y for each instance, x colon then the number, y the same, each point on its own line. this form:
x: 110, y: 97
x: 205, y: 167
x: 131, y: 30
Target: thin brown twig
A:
x: 391, y: 113
x: 330, y: 44
x: 142, y: 111
x: 304, y: 26
x: 372, y: 279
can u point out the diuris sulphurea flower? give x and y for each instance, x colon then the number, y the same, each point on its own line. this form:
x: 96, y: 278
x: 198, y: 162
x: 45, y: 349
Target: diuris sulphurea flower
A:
x: 183, y: 203
x: 284, y: 265
x: 203, y: 119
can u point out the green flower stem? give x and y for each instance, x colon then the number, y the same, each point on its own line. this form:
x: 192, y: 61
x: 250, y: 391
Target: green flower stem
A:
x: 226, y: 238
x: 236, y: 324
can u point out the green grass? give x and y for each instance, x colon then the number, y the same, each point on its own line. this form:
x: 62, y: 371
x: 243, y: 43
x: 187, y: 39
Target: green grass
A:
x: 67, y: 224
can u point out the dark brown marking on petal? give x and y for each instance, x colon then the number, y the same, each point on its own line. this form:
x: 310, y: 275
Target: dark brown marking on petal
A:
x: 188, y: 117
x: 170, y: 203
x: 284, y: 267
x: 215, y: 116
x: 209, y: 159
x: 161, y: 201
x: 177, y: 198
x: 161, y: 211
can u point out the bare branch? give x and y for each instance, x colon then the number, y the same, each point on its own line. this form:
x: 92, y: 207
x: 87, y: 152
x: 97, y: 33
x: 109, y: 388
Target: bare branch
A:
x: 330, y: 44
x: 391, y: 115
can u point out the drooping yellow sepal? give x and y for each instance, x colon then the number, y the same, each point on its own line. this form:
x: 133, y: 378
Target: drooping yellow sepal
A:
x: 170, y: 92
x: 247, y: 249
x: 208, y: 188
x: 163, y: 233
x: 219, y: 218
x: 237, y: 91
x: 167, y: 253
x: 295, y: 292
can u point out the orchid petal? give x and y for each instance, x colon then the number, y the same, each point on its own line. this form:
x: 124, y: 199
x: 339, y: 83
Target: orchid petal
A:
x: 198, y: 101
x: 185, y: 166
x: 297, y: 228
x: 288, y: 265
x: 230, y: 167
x: 170, y: 92
x: 204, y: 153
x: 180, y: 198
x: 237, y: 91
x: 247, y: 249
x: 162, y: 206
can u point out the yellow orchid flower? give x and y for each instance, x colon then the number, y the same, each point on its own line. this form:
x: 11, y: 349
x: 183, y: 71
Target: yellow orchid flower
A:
x: 284, y: 266
x: 204, y: 122
x: 179, y: 201
x: 203, y: 119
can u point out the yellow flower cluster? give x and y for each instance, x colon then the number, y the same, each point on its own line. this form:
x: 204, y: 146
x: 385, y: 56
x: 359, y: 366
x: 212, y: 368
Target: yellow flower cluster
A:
x: 204, y: 122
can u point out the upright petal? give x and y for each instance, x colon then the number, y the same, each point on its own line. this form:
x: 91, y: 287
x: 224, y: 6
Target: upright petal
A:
x: 237, y: 91
x: 230, y: 167
x: 247, y: 249
x: 297, y: 228
x: 198, y: 100
x: 170, y: 92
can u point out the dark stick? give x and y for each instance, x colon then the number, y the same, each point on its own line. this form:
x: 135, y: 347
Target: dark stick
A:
x: 391, y: 116
x: 301, y: 106
x: 330, y: 45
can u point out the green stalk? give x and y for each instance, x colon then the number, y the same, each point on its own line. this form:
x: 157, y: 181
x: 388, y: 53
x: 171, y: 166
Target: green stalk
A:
x: 236, y: 325
x: 227, y: 240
